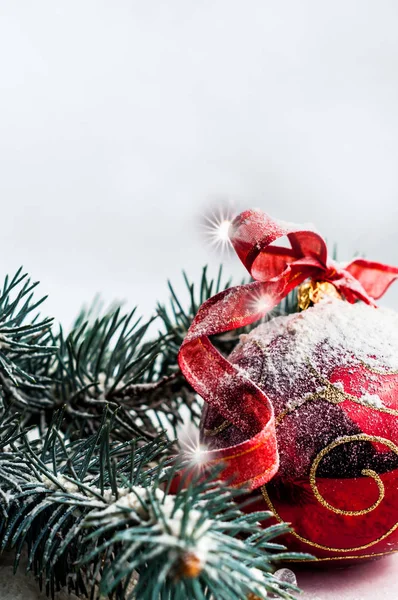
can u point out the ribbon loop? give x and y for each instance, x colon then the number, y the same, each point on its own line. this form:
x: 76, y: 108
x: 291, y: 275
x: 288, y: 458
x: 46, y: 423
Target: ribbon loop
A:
x: 276, y: 271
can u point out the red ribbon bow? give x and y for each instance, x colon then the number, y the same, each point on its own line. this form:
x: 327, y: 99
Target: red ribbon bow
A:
x: 276, y: 271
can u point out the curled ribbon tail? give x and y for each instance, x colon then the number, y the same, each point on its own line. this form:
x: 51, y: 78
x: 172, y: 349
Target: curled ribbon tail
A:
x: 226, y: 387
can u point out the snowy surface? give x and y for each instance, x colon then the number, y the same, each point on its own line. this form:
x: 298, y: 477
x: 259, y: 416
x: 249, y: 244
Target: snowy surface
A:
x: 369, y: 581
x: 22, y: 586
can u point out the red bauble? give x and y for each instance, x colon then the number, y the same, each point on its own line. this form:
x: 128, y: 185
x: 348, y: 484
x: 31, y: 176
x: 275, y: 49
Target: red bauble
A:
x: 331, y: 373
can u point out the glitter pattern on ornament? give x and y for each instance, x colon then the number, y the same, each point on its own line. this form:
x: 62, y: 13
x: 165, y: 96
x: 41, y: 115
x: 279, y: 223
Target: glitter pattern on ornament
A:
x: 331, y: 375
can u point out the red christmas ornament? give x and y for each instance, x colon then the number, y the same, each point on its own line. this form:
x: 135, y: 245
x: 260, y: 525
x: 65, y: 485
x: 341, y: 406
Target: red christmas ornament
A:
x: 304, y: 411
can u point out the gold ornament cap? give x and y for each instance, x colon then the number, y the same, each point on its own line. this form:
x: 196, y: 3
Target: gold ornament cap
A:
x: 312, y: 292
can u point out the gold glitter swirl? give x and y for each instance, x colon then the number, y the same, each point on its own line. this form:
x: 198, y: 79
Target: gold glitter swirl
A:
x: 333, y: 394
x: 352, y: 557
x: 377, y: 371
x: 334, y: 398
x: 330, y: 394
x: 321, y: 546
x: 366, y: 472
x: 213, y: 432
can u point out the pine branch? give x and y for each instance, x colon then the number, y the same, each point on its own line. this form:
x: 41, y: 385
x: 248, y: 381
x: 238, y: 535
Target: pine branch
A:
x: 52, y: 484
x: 96, y: 363
x: 25, y: 346
x: 96, y: 516
x: 85, y: 467
x: 196, y: 544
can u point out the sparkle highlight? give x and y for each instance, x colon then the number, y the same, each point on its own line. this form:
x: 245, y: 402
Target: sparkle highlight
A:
x: 193, y: 451
x: 216, y: 226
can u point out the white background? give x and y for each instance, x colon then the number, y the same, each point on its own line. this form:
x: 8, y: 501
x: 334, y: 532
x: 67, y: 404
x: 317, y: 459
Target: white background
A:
x: 122, y: 122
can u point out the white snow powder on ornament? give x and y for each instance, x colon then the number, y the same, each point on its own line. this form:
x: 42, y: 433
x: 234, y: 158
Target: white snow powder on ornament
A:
x: 344, y: 334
